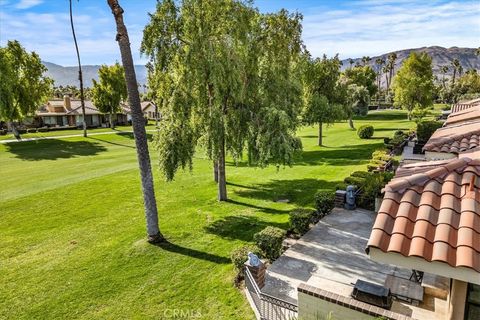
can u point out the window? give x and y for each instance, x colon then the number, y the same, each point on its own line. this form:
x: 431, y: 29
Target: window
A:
x: 472, y: 309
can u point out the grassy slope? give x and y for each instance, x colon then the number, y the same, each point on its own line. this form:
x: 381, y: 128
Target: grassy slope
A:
x: 72, y: 227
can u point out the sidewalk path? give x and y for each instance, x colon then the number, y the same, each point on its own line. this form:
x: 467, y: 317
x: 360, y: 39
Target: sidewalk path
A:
x: 67, y: 136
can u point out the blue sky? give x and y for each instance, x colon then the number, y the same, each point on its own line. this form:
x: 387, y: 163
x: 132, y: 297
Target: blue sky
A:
x: 351, y: 28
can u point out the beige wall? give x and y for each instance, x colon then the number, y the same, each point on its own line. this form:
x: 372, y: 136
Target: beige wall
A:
x: 312, y: 308
x: 456, y: 300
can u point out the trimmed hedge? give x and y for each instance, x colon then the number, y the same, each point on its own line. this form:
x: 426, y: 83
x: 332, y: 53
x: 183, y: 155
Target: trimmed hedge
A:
x: 324, y: 202
x: 365, y: 131
x: 240, y: 255
x: 425, y: 129
x: 269, y: 240
x: 3, y: 132
x: 32, y: 130
x: 43, y: 129
x: 300, y: 220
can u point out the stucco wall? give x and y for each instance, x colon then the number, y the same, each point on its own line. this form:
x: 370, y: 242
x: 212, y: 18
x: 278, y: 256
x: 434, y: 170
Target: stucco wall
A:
x: 312, y: 308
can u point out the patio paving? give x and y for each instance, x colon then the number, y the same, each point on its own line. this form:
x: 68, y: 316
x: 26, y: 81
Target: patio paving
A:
x: 330, y: 256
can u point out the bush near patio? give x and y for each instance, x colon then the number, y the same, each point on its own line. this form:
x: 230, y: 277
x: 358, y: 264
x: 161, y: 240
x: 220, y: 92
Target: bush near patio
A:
x: 425, y: 130
x: 300, y: 219
x: 324, y: 202
x: 269, y: 240
x: 240, y: 255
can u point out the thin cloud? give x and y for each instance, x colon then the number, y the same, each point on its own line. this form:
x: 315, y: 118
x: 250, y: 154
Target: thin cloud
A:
x: 26, y: 4
x: 373, y: 27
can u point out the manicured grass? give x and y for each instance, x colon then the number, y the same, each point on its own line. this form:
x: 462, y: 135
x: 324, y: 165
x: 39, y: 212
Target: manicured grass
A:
x: 59, y: 133
x: 72, y: 234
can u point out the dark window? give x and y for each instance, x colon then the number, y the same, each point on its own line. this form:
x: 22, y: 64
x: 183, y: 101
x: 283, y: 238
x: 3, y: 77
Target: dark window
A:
x: 472, y: 310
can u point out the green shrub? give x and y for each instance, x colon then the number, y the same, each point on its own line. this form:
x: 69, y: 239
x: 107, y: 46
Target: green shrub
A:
x: 365, y: 131
x: 43, y: 129
x: 3, y: 132
x: 32, y: 130
x: 269, y: 240
x: 22, y: 131
x: 425, y: 129
x: 324, y: 202
x: 340, y: 186
x: 360, y: 174
x: 240, y: 255
x: 355, y: 181
x: 300, y: 220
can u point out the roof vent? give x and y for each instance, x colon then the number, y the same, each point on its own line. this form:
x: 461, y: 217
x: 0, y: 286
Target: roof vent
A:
x: 372, y: 293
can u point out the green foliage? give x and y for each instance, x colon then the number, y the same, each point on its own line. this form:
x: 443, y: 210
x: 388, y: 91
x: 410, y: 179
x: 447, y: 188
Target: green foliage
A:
x: 365, y: 131
x: 362, y: 76
x: 413, y: 85
x: 23, y: 86
x: 324, y: 202
x: 269, y: 240
x: 358, y: 100
x: 360, y: 174
x: 425, y: 130
x: 355, y: 180
x: 110, y: 90
x: 300, y: 220
x: 322, y: 101
x: 240, y: 255
x: 225, y: 77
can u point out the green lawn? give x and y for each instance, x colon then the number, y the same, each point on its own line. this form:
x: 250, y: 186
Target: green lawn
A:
x: 59, y: 133
x: 72, y: 234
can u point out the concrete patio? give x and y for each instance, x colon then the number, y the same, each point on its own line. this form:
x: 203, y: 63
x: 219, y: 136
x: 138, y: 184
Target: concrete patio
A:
x: 331, y: 256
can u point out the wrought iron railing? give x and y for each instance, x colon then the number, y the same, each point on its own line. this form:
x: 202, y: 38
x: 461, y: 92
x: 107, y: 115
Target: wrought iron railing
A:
x: 269, y: 307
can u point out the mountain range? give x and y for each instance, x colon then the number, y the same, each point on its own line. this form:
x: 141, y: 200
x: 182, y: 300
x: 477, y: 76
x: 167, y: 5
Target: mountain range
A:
x: 64, y: 76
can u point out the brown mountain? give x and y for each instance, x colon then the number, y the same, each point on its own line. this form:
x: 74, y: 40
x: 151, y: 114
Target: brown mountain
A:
x: 440, y: 57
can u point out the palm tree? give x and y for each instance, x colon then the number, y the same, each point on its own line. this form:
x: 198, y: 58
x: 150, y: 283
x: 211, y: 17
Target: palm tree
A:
x: 455, y: 65
x: 392, y: 57
x: 366, y: 60
x: 477, y: 52
x: 80, y: 77
x: 351, y: 62
x: 138, y: 122
x: 444, y: 71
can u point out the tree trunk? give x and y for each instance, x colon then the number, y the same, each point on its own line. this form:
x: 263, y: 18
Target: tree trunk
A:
x: 350, y: 123
x: 138, y: 123
x: 222, y: 180
x: 80, y: 77
x: 110, y: 119
x: 14, y: 130
x: 320, y: 133
x: 215, y: 171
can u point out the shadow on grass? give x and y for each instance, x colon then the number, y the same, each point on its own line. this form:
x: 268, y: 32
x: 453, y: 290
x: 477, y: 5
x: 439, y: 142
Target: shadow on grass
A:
x: 262, y: 209
x: 384, y: 115
x: 240, y: 227
x: 346, y: 155
x: 299, y: 192
x: 112, y: 143
x: 172, y: 247
x: 390, y: 129
x: 53, y: 149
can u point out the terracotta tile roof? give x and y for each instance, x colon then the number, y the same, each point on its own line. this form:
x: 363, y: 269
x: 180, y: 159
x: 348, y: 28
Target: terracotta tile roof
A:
x: 455, y: 138
x: 471, y: 114
x: 464, y: 105
x: 434, y: 215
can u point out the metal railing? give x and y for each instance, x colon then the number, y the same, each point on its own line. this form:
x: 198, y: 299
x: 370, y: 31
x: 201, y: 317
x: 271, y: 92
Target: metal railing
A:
x: 269, y: 307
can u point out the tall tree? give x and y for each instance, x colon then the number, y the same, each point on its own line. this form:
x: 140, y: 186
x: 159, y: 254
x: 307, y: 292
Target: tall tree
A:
x: 413, y: 84
x: 391, y: 60
x: 110, y: 90
x: 455, y: 66
x: 357, y: 101
x: 80, y: 75
x: 362, y: 76
x: 230, y: 83
x: 322, y: 96
x: 23, y: 86
x: 366, y: 60
x: 138, y: 122
x: 380, y: 62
